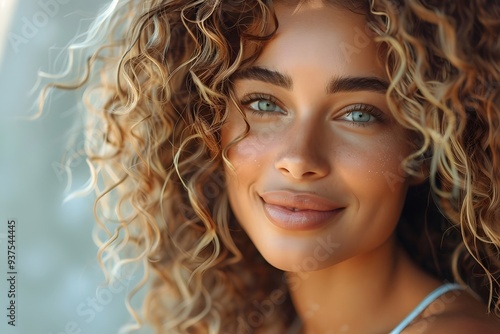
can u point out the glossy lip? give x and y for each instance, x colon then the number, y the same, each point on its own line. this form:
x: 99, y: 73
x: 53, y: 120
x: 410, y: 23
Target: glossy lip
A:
x: 298, y: 211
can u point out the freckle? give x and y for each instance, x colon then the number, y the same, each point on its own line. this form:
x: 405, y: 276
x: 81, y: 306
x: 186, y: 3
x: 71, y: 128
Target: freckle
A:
x: 344, y: 329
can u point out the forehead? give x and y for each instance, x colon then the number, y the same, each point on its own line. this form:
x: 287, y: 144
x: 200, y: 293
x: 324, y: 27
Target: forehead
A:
x: 315, y: 34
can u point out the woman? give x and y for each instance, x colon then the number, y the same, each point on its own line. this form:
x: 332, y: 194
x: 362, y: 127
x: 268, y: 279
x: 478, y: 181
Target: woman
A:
x: 299, y: 166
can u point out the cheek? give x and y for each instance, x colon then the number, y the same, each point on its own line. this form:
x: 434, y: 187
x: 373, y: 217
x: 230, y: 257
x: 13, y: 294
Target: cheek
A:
x: 250, y: 152
x: 375, y: 163
x: 378, y: 187
x: 375, y: 170
x: 245, y: 161
x: 247, y: 154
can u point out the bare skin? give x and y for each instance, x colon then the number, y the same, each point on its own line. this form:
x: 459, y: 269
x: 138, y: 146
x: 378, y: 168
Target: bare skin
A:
x: 319, y: 147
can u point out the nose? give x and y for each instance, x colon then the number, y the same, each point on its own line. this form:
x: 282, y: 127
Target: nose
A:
x: 304, y: 154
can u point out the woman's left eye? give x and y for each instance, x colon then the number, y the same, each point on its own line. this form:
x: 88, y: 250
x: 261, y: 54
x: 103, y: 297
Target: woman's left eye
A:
x: 362, y: 115
x: 359, y: 117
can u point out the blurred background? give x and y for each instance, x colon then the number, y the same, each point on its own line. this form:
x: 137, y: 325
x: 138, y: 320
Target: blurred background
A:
x: 57, y: 272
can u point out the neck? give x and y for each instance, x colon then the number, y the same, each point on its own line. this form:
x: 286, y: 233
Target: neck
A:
x: 370, y: 293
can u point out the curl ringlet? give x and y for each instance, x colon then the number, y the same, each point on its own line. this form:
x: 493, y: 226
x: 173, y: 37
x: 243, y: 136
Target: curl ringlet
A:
x: 158, y: 82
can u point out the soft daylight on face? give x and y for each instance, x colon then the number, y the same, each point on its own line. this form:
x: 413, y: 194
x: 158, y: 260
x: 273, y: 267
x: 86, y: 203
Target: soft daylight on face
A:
x: 312, y: 185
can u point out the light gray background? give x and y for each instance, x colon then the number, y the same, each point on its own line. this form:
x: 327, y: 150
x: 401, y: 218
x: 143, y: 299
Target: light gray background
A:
x: 56, y: 257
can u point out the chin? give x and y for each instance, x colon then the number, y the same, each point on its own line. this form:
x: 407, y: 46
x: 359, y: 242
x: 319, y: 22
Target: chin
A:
x: 300, y: 255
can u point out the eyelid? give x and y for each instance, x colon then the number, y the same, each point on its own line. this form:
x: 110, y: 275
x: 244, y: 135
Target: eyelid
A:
x: 253, y: 97
x: 258, y: 96
x: 366, y: 108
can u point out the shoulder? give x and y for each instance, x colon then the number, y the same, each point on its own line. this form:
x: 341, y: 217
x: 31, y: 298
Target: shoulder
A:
x: 463, y: 315
x: 454, y: 324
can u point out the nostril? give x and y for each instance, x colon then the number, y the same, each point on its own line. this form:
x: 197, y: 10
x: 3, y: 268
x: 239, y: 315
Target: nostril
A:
x: 300, y: 172
x: 300, y: 165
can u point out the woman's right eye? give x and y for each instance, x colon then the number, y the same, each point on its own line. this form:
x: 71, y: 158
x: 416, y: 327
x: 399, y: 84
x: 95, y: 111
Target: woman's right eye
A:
x: 264, y: 106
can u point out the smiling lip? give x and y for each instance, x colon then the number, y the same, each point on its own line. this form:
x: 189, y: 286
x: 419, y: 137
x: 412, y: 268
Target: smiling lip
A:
x: 298, y: 211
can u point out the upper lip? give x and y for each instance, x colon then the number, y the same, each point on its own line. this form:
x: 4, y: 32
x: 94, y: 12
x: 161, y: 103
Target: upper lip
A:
x: 299, y: 200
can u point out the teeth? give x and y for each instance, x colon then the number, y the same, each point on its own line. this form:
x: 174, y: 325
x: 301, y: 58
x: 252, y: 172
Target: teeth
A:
x: 293, y: 209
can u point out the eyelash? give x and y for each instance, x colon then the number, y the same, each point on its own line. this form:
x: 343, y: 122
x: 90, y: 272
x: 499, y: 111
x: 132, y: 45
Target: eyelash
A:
x: 249, y: 99
x: 365, y: 108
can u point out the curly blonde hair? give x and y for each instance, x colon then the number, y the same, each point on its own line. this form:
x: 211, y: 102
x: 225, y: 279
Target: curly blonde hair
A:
x: 158, y: 81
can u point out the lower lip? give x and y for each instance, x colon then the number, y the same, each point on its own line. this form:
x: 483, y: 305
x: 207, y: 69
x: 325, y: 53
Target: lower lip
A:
x: 298, y: 220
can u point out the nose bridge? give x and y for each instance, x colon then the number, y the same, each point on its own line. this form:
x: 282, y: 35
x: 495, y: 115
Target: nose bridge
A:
x: 303, y: 152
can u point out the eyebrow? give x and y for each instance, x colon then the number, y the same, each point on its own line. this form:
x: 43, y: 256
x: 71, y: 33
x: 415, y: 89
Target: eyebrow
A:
x: 336, y: 84
x: 265, y: 75
x: 349, y: 84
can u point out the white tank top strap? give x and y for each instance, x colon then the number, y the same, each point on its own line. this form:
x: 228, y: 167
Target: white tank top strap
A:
x: 297, y: 325
x: 423, y: 305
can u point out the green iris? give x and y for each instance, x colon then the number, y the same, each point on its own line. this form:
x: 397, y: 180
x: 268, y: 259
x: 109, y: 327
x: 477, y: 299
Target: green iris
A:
x: 266, y: 105
x: 359, y: 116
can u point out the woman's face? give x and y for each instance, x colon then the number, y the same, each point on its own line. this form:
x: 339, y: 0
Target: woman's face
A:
x: 317, y: 180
